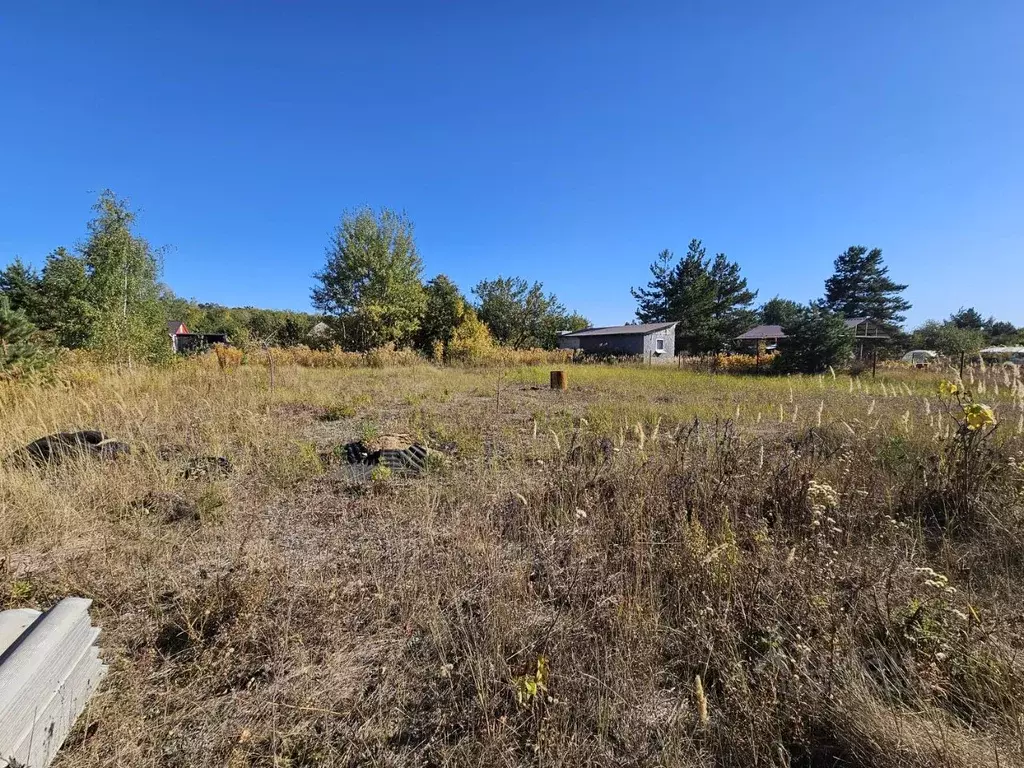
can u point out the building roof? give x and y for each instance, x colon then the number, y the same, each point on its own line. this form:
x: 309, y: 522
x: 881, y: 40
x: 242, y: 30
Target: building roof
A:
x: 174, y: 325
x: 1002, y: 350
x: 759, y: 332
x: 622, y: 330
x: 762, y: 332
x: 872, y: 328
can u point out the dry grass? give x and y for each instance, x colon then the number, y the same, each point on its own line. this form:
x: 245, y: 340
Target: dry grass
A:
x: 550, y: 593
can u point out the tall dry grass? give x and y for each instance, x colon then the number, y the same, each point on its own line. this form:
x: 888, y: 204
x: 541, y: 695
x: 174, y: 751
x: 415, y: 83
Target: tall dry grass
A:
x: 552, y: 590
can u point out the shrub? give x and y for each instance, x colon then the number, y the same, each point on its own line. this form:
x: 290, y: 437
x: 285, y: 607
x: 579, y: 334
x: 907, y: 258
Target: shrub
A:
x: 743, y: 363
x: 471, y: 341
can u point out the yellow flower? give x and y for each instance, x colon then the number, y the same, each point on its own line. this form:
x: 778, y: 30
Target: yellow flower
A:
x: 948, y: 388
x: 978, y: 416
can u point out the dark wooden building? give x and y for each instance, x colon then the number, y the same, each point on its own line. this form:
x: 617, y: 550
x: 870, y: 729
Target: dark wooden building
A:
x: 652, y: 341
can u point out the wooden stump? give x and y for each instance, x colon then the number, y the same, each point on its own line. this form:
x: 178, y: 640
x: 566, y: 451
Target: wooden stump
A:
x: 559, y: 380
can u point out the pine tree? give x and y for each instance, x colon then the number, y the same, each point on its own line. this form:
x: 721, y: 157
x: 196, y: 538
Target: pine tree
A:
x: 690, y: 298
x: 708, y: 298
x: 20, y: 355
x: 816, y: 338
x: 778, y: 311
x: 731, y: 313
x: 652, y: 301
x: 969, y: 319
x: 861, y: 287
x: 66, y: 307
x: 19, y: 283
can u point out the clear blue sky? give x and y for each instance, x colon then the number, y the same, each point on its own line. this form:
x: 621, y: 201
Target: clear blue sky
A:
x: 564, y: 142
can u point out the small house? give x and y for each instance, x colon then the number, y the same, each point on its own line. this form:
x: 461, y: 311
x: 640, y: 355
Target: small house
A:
x: 176, y: 328
x: 183, y: 341
x: 863, y: 329
x: 652, y: 341
x: 768, y: 335
x: 188, y: 343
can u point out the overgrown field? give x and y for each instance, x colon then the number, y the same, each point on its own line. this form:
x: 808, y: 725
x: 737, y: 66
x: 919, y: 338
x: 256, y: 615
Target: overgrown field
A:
x: 656, y: 567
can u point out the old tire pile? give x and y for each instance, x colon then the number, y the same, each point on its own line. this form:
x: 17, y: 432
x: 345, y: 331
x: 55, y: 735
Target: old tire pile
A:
x: 361, y: 461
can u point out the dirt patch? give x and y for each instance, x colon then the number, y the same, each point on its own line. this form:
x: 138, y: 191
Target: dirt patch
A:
x: 168, y: 507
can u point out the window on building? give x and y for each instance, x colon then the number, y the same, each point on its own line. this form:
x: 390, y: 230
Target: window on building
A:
x: 660, y: 345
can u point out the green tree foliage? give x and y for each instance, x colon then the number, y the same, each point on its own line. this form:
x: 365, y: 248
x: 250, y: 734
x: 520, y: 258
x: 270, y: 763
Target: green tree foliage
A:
x: 218, y: 319
x: 861, y: 287
x: 652, y: 302
x: 995, y: 332
x: 948, y: 338
x: 66, y: 307
x: 968, y: 319
x: 370, y: 283
x: 19, y: 284
x: 20, y: 353
x: 123, y: 275
x: 471, y: 340
x: 779, y: 311
x: 1000, y: 332
x: 816, y: 338
x: 243, y: 325
x: 445, y: 310
x: 521, y: 315
x: 731, y: 314
x: 965, y: 332
x: 707, y: 297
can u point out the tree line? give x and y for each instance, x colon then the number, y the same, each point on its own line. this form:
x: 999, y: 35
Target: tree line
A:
x: 372, y: 293
x: 106, y: 295
x: 713, y: 305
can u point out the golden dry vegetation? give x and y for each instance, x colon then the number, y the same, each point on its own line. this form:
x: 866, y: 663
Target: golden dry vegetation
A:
x: 657, y: 567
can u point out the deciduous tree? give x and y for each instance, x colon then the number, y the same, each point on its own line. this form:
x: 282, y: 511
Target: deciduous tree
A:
x: 123, y: 272
x: 370, y: 283
x: 522, y: 315
x: 779, y: 311
x: 446, y: 309
x: 948, y: 338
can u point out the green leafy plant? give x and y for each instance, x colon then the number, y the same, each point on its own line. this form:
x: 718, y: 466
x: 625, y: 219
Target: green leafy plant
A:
x: 530, y: 685
x: 381, y: 474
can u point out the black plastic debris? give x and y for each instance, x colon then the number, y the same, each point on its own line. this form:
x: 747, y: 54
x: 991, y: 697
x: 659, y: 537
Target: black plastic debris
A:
x: 360, y: 460
x: 55, y: 448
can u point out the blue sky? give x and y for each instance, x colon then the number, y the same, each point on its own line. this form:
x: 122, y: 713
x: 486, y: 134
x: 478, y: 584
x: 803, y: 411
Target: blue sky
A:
x: 564, y: 142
